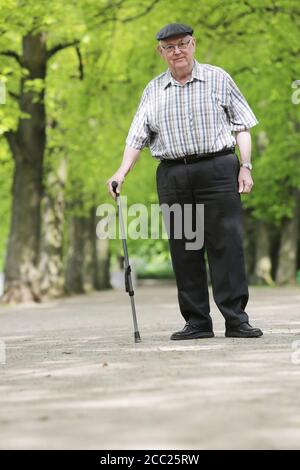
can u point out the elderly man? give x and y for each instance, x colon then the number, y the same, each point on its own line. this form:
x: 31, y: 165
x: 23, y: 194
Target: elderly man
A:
x: 191, y: 117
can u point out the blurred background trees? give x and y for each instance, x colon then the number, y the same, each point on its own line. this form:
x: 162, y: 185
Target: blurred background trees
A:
x: 74, y: 72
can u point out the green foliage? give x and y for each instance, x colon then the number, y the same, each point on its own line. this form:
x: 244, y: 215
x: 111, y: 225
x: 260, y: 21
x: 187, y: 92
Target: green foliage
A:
x: 6, y: 169
x: 92, y: 91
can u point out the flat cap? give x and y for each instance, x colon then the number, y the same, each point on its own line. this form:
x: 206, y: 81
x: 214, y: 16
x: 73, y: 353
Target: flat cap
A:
x: 173, y: 29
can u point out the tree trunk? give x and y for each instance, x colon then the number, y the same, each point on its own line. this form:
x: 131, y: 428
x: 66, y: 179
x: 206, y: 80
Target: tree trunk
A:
x: 96, y: 265
x: 263, y: 264
x: 51, y: 262
x: 74, y: 271
x: 27, y: 144
x: 287, y: 261
x: 90, y: 261
x: 102, y: 257
x: 103, y: 265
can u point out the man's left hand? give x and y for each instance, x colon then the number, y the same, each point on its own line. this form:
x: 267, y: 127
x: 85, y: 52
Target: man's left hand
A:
x: 245, y: 180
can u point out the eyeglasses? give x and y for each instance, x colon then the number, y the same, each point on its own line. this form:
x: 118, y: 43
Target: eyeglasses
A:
x: 182, y: 46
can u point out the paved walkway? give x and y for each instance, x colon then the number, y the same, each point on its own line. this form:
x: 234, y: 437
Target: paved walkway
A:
x: 73, y: 377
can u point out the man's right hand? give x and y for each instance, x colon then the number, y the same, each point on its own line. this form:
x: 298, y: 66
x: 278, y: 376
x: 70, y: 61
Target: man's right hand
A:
x: 129, y: 158
x: 119, y: 178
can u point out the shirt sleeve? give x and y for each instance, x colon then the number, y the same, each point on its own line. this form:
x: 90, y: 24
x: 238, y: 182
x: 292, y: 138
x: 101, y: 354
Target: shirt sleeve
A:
x: 240, y: 114
x: 139, y: 133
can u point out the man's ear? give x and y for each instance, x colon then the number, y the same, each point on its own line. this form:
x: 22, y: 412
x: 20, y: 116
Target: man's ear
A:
x: 159, y: 50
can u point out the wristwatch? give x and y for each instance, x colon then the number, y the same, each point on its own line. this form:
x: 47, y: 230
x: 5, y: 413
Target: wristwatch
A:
x: 247, y: 165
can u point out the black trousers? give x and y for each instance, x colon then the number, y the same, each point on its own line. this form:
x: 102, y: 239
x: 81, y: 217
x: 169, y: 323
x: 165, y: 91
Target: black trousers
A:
x: 212, y: 182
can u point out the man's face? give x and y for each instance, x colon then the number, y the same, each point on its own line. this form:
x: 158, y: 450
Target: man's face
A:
x: 179, y: 57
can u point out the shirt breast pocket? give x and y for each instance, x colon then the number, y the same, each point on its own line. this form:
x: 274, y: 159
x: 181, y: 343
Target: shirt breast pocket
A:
x: 220, y: 110
x: 218, y: 101
x: 211, y: 110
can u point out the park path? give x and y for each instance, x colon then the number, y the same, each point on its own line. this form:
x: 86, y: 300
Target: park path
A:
x: 74, y: 379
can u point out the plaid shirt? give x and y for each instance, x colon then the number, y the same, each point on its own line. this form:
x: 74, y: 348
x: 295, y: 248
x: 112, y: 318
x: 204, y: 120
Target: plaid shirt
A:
x: 177, y: 120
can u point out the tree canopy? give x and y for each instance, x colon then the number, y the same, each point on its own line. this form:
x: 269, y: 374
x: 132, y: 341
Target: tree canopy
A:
x: 99, y: 55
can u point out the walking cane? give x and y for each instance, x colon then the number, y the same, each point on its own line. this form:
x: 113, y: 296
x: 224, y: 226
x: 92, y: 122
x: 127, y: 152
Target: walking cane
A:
x: 128, y: 280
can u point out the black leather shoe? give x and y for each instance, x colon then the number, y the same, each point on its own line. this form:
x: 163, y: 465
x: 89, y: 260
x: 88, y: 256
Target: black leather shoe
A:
x: 243, y: 331
x: 191, y: 332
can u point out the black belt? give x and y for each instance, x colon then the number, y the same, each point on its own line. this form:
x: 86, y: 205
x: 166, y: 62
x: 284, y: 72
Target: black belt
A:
x: 195, y: 158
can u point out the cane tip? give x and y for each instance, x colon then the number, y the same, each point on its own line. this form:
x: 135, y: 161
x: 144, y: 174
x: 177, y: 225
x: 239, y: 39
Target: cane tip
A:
x: 137, y: 337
